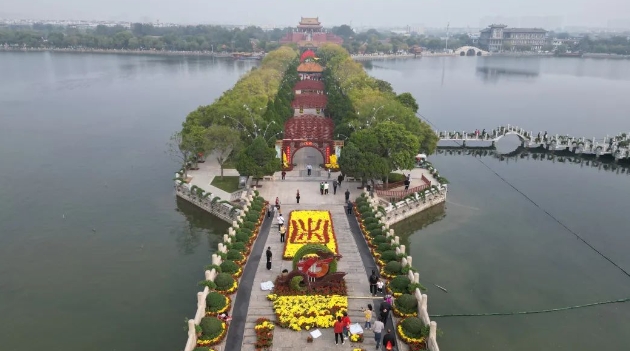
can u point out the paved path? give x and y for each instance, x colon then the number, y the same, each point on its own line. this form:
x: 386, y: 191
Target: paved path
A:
x: 206, y: 173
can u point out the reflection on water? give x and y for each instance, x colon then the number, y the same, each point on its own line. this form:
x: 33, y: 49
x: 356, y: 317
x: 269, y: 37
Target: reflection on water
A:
x: 198, y: 224
x: 491, y: 69
x: 407, y: 227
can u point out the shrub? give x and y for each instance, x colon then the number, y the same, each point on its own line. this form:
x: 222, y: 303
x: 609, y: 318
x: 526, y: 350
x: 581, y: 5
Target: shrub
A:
x: 248, y: 225
x: 388, y: 256
x: 365, y: 208
x: 296, y: 283
x: 382, y: 247
x: 245, y: 231
x: 375, y: 232
x: 413, y: 327
x: 393, y: 267
x: 406, y: 303
x: 211, y: 326
x: 370, y: 227
x: 229, y: 267
x: 370, y: 220
x: 400, y: 284
x: 215, y: 301
x: 234, y: 255
x: 213, y: 266
x: 224, y: 281
x: 241, y: 238
x: 380, y: 239
x: 395, y: 177
x: 413, y: 286
x: 238, y: 246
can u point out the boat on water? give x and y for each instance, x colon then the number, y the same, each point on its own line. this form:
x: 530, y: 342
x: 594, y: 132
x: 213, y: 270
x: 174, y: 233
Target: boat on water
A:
x: 570, y: 54
x: 247, y: 56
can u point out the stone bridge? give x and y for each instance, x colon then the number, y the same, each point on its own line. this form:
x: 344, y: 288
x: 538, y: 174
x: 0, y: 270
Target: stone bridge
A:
x: 470, y: 51
x: 616, y: 146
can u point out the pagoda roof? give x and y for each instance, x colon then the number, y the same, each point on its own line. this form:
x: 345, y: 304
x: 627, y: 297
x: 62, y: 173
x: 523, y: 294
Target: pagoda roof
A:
x: 307, y: 54
x: 309, y: 84
x: 309, y: 67
x: 309, y: 101
x: 312, y: 21
x: 311, y: 127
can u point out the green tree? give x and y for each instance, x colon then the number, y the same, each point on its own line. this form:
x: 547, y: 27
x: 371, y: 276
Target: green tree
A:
x: 409, y: 101
x: 180, y: 148
x: 224, y: 141
x: 364, y: 164
x: 257, y: 160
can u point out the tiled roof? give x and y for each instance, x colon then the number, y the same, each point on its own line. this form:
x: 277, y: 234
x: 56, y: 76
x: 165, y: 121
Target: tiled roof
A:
x: 309, y: 127
x: 309, y: 84
x: 524, y: 30
x: 310, y: 67
x: 310, y: 20
x: 309, y: 101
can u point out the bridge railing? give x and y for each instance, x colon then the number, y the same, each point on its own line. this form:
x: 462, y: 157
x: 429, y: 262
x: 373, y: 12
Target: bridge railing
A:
x: 390, y: 185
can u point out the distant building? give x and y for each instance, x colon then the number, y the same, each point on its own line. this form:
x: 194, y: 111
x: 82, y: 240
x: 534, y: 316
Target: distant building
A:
x: 497, y: 36
x: 310, y: 34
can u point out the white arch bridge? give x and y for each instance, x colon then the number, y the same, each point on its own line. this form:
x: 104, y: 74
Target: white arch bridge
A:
x: 616, y: 146
x: 470, y: 51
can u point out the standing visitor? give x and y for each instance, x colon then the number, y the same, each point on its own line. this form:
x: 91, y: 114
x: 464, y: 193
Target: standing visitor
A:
x: 326, y: 188
x: 328, y: 173
x: 347, y: 194
x: 340, y: 178
x: 378, y: 330
x: 379, y: 286
x: 389, y: 340
x: 268, y: 258
x: 278, y: 203
x: 283, y: 174
x: 269, y: 210
x: 308, y: 169
x: 407, y: 182
x: 373, y: 281
x: 280, y: 221
x: 297, y: 196
x: 283, y: 230
x: 338, y: 328
x: 367, y: 313
x: 346, y: 324
x: 335, y: 187
x: 321, y: 188
x: 349, y: 204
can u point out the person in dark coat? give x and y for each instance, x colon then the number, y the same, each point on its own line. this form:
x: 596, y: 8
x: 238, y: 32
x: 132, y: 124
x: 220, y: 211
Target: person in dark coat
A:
x: 389, y: 341
x: 347, y: 194
x: 339, y: 179
x: 335, y: 183
x: 268, y: 253
x: 373, y: 280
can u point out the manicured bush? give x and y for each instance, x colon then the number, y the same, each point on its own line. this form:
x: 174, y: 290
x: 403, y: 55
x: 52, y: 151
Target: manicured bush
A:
x: 252, y: 217
x: 223, y: 281
x: 213, y: 266
x: 241, y: 238
x: 406, y: 303
x: 413, y: 328
x: 388, y: 256
x: 365, y: 208
x: 248, y: 225
x: 245, y: 231
x: 382, y: 247
x: 238, y: 246
x: 395, y: 177
x: 400, y: 284
x: 393, y: 267
x: 376, y: 232
x: 379, y: 239
x: 234, y: 255
x: 229, y: 267
x: 211, y: 327
x: 370, y: 220
x: 215, y: 301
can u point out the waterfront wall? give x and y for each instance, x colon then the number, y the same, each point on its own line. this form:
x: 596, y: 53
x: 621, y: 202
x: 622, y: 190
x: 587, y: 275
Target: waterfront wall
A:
x: 408, y: 207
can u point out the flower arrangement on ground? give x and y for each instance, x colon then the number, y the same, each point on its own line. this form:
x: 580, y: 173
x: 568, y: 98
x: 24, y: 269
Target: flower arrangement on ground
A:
x: 217, y: 303
x: 356, y: 337
x: 411, y: 331
x: 264, y: 334
x: 309, y: 227
x: 306, y: 312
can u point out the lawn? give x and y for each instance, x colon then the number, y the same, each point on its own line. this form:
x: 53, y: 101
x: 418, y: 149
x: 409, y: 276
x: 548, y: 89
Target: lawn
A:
x: 228, y: 183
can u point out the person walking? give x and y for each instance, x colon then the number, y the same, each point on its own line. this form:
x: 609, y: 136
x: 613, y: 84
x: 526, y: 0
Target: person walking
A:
x: 338, y: 328
x: 367, y: 313
x: 269, y: 210
x: 340, y: 179
x: 297, y: 196
x: 389, y: 340
x: 283, y: 230
x: 284, y: 174
x: 335, y: 187
x: 321, y: 188
x: 328, y: 173
x: 373, y: 281
x: 378, y: 331
x: 349, y: 207
x: 268, y: 253
x: 280, y: 221
x: 326, y: 188
x: 278, y: 203
x: 407, y: 182
x: 347, y: 195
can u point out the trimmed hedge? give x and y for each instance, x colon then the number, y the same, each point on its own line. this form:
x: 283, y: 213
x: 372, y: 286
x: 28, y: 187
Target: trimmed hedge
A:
x: 400, y: 284
x: 393, y: 267
x: 215, y: 301
x: 211, y: 327
x: 241, y: 238
x: 389, y: 256
x: 406, y: 303
x: 229, y: 267
x: 382, y: 247
x: 234, y: 255
x: 224, y: 281
x: 238, y: 246
x: 413, y: 327
x: 379, y: 239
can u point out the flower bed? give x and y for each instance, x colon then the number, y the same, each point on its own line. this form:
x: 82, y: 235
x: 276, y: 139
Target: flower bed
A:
x: 213, y: 331
x: 306, y: 312
x: 337, y: 289
x: 264, y: 334
x: 356, y: 338
x: 214, y: 305
x: 411, y: 331
x: 309, y: 227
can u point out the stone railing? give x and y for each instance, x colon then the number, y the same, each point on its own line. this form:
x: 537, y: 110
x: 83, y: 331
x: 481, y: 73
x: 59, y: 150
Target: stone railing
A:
x: 415, y: 203
x: 210, y: 275
x: 413, y: 276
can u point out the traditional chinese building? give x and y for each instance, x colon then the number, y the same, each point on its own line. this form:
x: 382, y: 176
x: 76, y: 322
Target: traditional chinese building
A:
x: 310, y: 70
x: 498, y: 37
x: 310, y: 34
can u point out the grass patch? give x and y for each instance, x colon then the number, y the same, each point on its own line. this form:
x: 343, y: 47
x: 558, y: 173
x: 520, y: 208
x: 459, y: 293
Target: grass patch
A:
x: 228, y: 183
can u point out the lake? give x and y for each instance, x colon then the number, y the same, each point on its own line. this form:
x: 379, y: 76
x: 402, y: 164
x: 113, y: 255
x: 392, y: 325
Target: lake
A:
x: 96, y: 253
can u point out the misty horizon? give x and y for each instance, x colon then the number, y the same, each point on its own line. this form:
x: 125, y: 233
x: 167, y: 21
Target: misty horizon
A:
x: 368, y: 13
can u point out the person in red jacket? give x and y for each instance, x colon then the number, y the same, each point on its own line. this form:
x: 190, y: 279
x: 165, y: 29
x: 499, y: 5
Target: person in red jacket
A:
x: 346, y: 324
x: 338, y: 328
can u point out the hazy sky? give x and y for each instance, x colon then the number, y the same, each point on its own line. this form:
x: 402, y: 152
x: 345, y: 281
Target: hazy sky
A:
x: 430, y: 13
